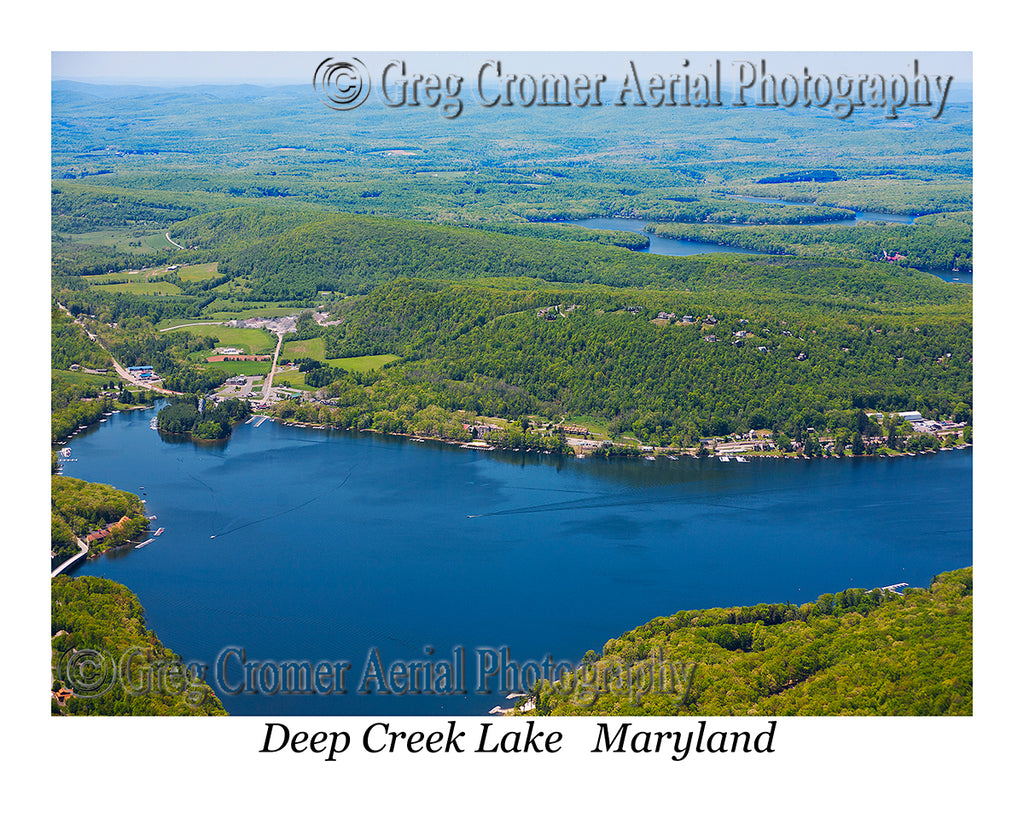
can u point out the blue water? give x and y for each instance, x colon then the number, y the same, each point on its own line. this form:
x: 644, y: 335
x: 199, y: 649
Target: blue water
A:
x: 684, y: 247
x: 659, y: 245
x: 297, y: 544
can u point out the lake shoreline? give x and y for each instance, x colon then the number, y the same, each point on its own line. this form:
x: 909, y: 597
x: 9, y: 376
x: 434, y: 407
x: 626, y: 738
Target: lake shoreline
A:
x: 481, y: 445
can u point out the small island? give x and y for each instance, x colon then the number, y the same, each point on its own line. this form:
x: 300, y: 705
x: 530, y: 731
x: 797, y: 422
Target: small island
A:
x: 200, y: 418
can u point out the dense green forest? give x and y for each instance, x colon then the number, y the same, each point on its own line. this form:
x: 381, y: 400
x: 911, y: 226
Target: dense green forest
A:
x: 857, y: 652
x: 103, y: 652
x: 893, y: 341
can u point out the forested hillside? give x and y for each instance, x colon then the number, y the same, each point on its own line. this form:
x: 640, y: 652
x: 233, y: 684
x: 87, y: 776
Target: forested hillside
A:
x: 111, y: 664
x: 857, y: 652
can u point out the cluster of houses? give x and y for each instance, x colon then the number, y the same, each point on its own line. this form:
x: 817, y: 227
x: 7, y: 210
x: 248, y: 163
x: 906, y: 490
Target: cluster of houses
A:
x: 480, y: 428
x: 555, y: 310
x: 100, y: 534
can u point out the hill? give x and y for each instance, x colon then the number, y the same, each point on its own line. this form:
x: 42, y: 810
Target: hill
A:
x: 853, y: 653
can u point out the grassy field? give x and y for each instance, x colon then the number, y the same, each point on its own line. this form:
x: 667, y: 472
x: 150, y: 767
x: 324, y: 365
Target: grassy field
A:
x: 187, y: 324
x: 252, y: 340
x: 120, y: 277
x: 227, y: 309
x: 362, y: 363
x: 78, y: 377
x: 197, y: 272
x: 598, y: 426
x: 139, y: 287
x: 307, y: 348
x: 292, y: 378
x: 239, y: 367
x: 123, y: 241
x: 314, y: 348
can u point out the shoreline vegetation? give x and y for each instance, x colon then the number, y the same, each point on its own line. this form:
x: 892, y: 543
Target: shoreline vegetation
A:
x: 607, y: 449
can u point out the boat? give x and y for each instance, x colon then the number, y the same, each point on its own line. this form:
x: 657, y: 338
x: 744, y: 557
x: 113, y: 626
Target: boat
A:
x: 649, y: 458
x: 741, y: 459
x: 158, y: 532
x: 723, y: 458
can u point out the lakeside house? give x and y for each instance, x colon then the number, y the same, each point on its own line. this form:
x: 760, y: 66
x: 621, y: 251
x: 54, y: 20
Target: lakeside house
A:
x: 100, y: 534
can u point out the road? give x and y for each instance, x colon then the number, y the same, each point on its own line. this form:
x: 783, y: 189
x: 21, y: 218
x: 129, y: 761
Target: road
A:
x: 82, y: 549
x: 269, y: 383
x: 121, y: 371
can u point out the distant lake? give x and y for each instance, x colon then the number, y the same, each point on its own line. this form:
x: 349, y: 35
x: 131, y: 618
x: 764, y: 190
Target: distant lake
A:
x: 859, y: 215
x: 684, y: 247
x: 296, y: 544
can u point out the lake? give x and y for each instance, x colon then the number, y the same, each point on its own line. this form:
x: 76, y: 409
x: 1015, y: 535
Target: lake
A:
x: 684, y: 247
x: 293, y: 544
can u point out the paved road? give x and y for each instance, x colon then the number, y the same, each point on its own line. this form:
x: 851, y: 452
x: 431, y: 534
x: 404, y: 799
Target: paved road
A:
x: 82, y: 549
x: 269, y: 383
x: 121, y: 371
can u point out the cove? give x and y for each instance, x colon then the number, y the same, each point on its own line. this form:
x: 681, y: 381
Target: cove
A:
x: 291, y: 545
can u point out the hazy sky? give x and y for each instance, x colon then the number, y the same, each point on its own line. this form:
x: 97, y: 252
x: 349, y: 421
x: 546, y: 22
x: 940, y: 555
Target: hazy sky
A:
x: 297, y: 67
